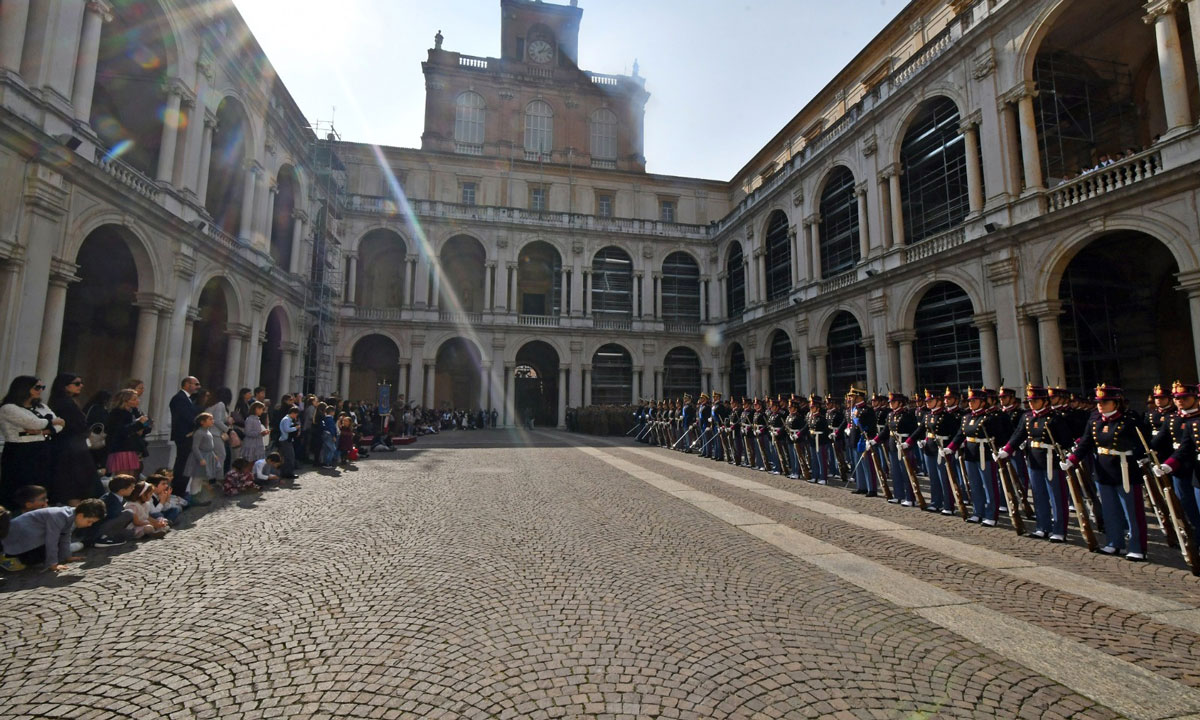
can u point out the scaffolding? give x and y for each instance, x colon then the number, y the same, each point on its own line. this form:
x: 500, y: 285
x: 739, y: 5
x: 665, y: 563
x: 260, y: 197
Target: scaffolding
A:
x: 323, y: 291
x: 1085, y: 109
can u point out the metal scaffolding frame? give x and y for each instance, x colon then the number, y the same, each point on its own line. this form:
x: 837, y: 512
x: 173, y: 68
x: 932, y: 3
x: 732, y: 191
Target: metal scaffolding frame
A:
x: 323, y: 290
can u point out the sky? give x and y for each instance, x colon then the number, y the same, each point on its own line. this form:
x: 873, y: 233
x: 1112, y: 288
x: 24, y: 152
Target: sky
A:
x: 723, y: 76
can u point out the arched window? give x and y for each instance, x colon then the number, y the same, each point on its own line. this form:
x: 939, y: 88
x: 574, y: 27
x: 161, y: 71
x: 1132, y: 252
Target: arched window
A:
x: 469, y: 116
x: 681, y: 373
x: 947, y: 346
x: 738, y: 387
x: 783, y: 373
x: 539, y: 128
x: 539, y: 279
x: 735, y: 282
x: 612, y: 376
x: 846, y: 363
x: 604, y: 135
x: 839, y: 224
x: 779, y: 257
x: 680, y: 289
x: 933, y: 187
x: 612, y: 284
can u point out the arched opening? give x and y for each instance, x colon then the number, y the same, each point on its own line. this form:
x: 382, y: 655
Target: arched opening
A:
x: 779, y: 257
x: 612, y: 376
x: 947, y: 344
x: 456, y: 384
x: 681, y: 373
x: 1123, y: 320
x: 735, y: 282
x: 539, y: 279
x: 680, y: 289
x: 210, y: 339
x: 612, y: 284
x: 536, y: 384
x: 227, y: 166
x: 129, y: 106
x: 271, y: 364
x: 1099, y: 88
x: 846, y: 363
x: 933, y: 188
x: 375, y: 359
x: 100, y: 319
x: 738, y: 372
x: 381, y: 258
x: 840, y: 250
x: 462, y: 262
x: 283, y: 219
x: 783, y: 370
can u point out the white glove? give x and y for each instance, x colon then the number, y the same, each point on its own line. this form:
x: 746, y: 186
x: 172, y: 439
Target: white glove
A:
x: 833, y: 435
x: 1144, y: 462
x: 1001, y: 456
x: 1160, y: 470
x: 1066, y: 465
x: 847, y: 431
x: 871, y: 443
x: 921, y: 444
x: 947, y: 452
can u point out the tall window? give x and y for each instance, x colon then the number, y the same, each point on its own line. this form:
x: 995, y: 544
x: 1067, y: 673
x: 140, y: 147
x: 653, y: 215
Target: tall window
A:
x: 779, y: 257
x: 604, y: 135
x: 680, y: 288
x: 783, y: 371
x: 681, y: 373
x: 735, y: 282
x: 612, y: 376
x: 839, y: 224
x: 537, y: 199
x: 666, y: 210
x: 934, y: 185
x: 468, y: 193
x: 612, y: 284
x: 947, y: 346
x: 738, y: 386
x: 539, y: 128
x: 604, y: 204
x: 469, y: 113
x: 846, y: 363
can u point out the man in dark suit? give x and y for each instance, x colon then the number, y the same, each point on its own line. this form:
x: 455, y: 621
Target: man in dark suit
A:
x: 183, y: 421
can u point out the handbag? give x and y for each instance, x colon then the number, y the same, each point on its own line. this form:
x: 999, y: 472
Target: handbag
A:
x: 235, y: 439
x: 96, y: 438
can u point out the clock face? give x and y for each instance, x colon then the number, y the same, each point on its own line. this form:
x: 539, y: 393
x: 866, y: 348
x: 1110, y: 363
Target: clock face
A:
x: 540, y: 52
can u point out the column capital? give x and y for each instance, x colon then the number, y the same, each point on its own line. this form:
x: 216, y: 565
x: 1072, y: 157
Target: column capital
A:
x: 289, y: 348
x: 1027, y: 89
x: 890, y: 170
x: 204, y: 66
x: 511, y: 265
x: 237, y: 330
x: 193, y: 314
x: 813, y: 219
x: 818, y: 351
x: 1156, y: 9
x: 792, y: 231
x: 587, y: 367
x: 176, y: 86
x: 1044, y: 310
x: 902, y: 336
x: 984, y: 320
x: 154, y: 302
x: 99, y: 7
x: 861, y: 188
x: 1189, y: 281
x: 63, y: 271
x: 657, y: 274
x: 300, y: 215
x: 1002, y: 272
x: 184, y: 267
x: 490, y: 264
x: 867, y: 342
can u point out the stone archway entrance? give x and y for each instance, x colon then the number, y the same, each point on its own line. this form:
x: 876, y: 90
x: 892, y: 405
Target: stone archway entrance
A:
x: 536, y: 384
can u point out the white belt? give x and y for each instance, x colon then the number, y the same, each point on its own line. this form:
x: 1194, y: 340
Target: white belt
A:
x: 1124, y: 465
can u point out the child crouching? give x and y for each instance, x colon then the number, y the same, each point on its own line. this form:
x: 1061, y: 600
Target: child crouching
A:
x: 240, y: 477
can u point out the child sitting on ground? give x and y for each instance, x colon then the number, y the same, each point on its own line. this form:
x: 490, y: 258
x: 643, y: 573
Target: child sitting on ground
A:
x: 44, y: 535
x: 116, y: 527
x: 163, y: 503
x: 139, y: 504
x: 30, y: 497
x: 240, y: 477
x: 266, y: 471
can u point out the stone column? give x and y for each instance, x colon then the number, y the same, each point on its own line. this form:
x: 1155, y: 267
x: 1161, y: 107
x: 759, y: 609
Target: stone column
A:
x: 1033, y: 359
x: 1194, y: 21
x: 410, y: 271
x: 267, y: 220
x: 1170, y: 63
x: 188, y: 173
x: 897, y: 207
x: 45, y: 203
x: 234, y: 373
x: 485, y: 375
x: 402, y: 382
x: 974, y: 168
x: 95, y: 14
x: 868, y: 345
x: 814, y: 240
x: 61, y: 275
x: 908, y: 367
x: 562, y: 303
x: 760, y: 271
x: 563, y: 378
x: 722, y: 299
x: 1190, y: 283
x: 637, y: 383
x: 1012, y: 143
x: 420, y: 291
x: 707, y: 301
x: 351, y: 297
x: 170, y: 133
x: 657, y: 295
x: 246, y: 224
x: 1047, y: 313
x: 510, y: 397
x: 864, y: 235
x: 1030, y: 154
x: 489, y: 272
x: 298, y: 219
x: 577, y: 290
x: 14, y: 16
x: 763, y: 371
x: 751, y: 281
x: 185, y: 357
x: 819, y: 354
x: 804, y: 379
x: 794, y: 251
x: 435, y: 287
x: 144, y: 343
x: 206, y: 142
x: 587, y: 292
x: 658, y: 377
x: 587, y: 385
x: 575, y: 388
x: 988, y: 360
x: 510, y: 290
x: 885, y: 210
x: 344, y: 378
x: 646, y: 281
x: 285, y: 370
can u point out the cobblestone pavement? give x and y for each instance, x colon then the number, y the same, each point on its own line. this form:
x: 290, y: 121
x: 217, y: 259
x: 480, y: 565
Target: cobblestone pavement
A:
x: 494, y: 575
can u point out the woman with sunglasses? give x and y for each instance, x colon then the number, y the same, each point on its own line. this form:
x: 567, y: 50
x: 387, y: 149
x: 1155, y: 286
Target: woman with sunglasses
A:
x: 26, y: 424
x: 75, y: 477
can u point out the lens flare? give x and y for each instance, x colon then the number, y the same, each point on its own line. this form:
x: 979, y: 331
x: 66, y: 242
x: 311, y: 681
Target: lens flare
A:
x: 713, y: 337
x: 119, y: 149
x: 173, y: 118
x: 146, y: 58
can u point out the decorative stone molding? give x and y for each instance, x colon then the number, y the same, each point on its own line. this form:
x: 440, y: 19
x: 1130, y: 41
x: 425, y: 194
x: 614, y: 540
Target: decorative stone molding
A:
x: 1044, y: 309
x: 818, y: 351
x: 797, y: 197
x: 902, y: 336
x: 870, y: 145
x: 984, y: 320
x: 184, y: 267
x: 877, y: 305
x: 502, y: 243
x: 792, y: 231
x: 984, y: 64
x: 1002, y: 272
x: 801, y: 326
x: 1014, y: 95
x: 237, y: 330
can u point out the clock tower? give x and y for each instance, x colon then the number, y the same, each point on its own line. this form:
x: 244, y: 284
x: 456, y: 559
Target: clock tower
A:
x: 534, y: 103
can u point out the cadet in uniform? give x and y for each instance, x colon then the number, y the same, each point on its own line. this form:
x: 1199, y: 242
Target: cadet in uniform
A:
x: 976, y: 427
x: 1176, y: 441
x: 860, y: 426
x: 893, y: 435
x: 818, y: 428
x: 1111, y: 436
x: 941, y: 425
x: 1034, y: 437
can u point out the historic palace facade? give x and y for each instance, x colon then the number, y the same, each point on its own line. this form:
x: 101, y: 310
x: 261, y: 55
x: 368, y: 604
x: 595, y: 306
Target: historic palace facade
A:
x: 992, y: 190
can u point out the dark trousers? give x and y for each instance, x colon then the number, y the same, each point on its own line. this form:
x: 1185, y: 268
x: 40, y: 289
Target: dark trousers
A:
x: 183, y: 448
x: 288, y: 450
x: 117, y: 527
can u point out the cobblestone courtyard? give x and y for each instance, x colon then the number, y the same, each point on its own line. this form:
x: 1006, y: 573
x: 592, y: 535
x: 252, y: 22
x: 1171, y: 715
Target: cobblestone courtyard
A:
x: 489, y: 575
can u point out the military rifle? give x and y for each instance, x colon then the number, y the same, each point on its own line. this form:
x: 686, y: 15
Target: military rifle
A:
x: 1186, y: 542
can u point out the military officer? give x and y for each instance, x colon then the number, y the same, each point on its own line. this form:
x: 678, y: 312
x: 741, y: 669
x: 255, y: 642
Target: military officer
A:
x: 860, y: 427
x: 1177, y: 441
x: 894, y: 432
x: 1034, y: 437
x: 818, y: 428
